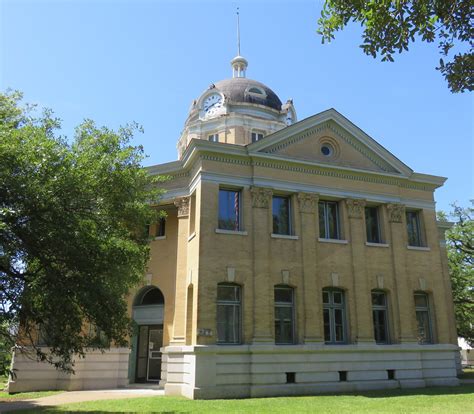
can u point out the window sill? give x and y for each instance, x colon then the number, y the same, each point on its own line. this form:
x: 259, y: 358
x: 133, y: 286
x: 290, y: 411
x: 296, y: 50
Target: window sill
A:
x: 191, y: 236
x: 336, y: 241
x: 160, y: 238
x: 284, y: 236
x: 236, y: 232
x: 377, y: 244
x: 420, y: 248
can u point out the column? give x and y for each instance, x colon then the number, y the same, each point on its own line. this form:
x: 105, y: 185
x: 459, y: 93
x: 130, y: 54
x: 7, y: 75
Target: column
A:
x: 179, y: 320
x: 364, y: 332
x: 404, y: 293
x: 262, y: 286
x: 312, y: 296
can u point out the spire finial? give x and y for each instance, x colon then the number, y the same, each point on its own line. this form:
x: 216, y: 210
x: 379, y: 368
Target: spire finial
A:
x: 239, y: 64
x: 238, y: 32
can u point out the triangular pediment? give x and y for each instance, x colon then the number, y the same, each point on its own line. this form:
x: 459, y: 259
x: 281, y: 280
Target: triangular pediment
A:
x: 330, y: 138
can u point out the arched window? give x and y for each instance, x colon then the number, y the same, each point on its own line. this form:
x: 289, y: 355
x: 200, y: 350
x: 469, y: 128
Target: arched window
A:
x: 380, y: 316
x: 153, y: 297
x: 423, y: 318
x: 284, y: 315
x: 334, y: 314
x: 228, y: 313
x: 255, y: 90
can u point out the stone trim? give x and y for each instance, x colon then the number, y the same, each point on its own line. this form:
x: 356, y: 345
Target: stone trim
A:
x: 183, y: 206
x: 355, y: 208
x: 307, y: 202
x: 261, y: 197
x: 395, y: 212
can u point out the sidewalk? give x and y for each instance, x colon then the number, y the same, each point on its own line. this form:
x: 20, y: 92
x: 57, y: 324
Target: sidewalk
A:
x: 76, y: 397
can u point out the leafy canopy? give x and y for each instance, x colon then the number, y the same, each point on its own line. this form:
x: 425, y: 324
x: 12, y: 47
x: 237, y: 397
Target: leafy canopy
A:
x: 460, y: 247
x: 71, y: 244
x: 390, y: 26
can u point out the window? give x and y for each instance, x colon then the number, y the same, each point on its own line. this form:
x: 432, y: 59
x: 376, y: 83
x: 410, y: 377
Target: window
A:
x: 229, y: 210
x: 256, y: 136
x: 372, y: 225
x: 423, y: 321
x: 329, y: 220
x: 379, y: 314
x: 213, y: 137
x: 414, y: 228
x: 255, y: 90
x: 228, y: 313
x: 334, y: 315
x: 284, y: 315
x: 281, y: 215
x: 161, y: 227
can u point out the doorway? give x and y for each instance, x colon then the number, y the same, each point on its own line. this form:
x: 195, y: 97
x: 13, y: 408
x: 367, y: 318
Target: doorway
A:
x: 148, y: 314
x: 150, y: 340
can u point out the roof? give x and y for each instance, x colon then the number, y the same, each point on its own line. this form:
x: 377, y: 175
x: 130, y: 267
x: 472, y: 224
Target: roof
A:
x: 236, y: 90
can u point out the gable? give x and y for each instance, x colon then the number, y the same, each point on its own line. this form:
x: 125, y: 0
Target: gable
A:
x: 329, y: 138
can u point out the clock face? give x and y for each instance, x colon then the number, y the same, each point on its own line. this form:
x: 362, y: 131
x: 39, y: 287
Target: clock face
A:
x: 212, y: 104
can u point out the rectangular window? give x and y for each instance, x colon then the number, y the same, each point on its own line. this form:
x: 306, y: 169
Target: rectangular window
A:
x: 414, y: 228
x: 213, y: 137
x: 284, y: 315
x: 423, y: 319
x: 372, y: 225
x: 256, y: 136
x: 228, y: 313
x: 379, y: 315
x: 329, y: 220
x: 281, y: 215
x: 334, y: 316
x: 229, y: 210
x: 161, y: 227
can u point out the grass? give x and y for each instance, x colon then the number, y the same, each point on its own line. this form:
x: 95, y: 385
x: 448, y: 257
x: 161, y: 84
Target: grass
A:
x: 467, y: 373
x: 440, y: 400
x: 5, y: 396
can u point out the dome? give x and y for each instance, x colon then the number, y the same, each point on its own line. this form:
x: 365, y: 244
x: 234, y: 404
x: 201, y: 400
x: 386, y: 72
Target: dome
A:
x: 249, y: 91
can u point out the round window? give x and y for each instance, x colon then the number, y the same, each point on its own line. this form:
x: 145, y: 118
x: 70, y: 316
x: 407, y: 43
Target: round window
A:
x: 327, y: 150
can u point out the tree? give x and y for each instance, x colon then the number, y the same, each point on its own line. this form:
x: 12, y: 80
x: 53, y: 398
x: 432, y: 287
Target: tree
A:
x: 71, y: 244
x: 390, y: 26
x: 460, y: 247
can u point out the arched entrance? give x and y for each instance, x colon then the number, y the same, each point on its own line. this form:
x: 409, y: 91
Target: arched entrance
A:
x: 148, y: 309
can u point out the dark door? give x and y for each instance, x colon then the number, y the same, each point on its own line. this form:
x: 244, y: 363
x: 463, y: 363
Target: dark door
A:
x: 150, y: 340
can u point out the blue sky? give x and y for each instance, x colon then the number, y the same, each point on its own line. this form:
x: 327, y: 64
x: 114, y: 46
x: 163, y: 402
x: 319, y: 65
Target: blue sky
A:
x: 145, y: 61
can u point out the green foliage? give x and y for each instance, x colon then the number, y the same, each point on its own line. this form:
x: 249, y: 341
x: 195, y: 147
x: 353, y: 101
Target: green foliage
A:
x: 390, y: 27
x: 460, y: 247
x: 69, y: 245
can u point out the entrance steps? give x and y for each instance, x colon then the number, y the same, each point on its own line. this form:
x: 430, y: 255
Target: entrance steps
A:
x: 144, y: 386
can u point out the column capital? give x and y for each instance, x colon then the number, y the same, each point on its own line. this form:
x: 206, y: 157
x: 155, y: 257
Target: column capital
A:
x: 261, y: 197
x: 355, y: 207
x: 308, y: 202
x: 182, y: 204
x: 395, y: 212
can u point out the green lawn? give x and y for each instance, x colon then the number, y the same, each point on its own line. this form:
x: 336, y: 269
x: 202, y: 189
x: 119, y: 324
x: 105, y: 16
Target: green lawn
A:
x: 429, y: 400
x: 4, y: 396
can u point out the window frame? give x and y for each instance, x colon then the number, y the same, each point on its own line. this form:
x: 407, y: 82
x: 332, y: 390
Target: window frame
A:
x: 331, y: 306
x: 381, y: 308
x: 239, y: 212
x: 419, y: 242
x: 290, y: 212
x: 256, y: 136
x: 285, y: 305
x: 237, y: 306
x: 425, y: 310
x: 325, y: 219
x: 379, y: 239
x: 213, y: 137
x: 160, y: 230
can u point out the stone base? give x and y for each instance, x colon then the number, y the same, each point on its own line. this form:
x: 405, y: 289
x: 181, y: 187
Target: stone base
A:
x: 98, y: 370
x: 208, y: 372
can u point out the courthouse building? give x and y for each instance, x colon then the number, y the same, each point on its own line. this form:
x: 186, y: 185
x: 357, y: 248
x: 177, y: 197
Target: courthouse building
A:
x: 297, y: 257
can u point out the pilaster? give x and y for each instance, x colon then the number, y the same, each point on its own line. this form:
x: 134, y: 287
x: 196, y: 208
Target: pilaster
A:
x: 364, y: 332
x: 403, y: 294
x: 262, y: 286
x: 179, y: 320
x: 312, y: 297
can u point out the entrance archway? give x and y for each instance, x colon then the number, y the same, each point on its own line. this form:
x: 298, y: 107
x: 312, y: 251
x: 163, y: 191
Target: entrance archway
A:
x: 148, y: 313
